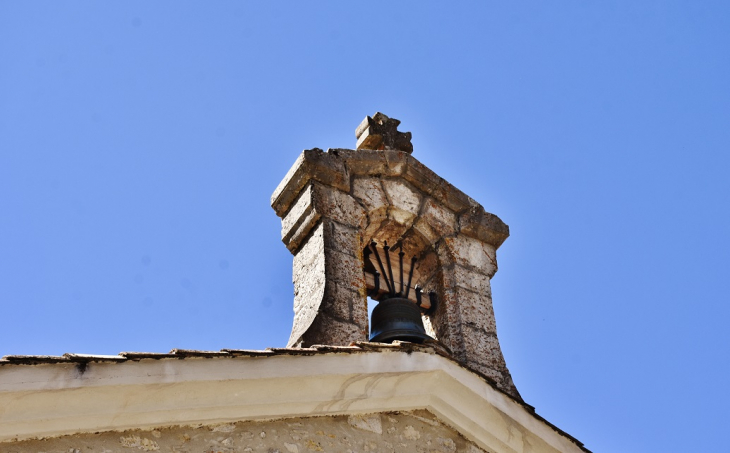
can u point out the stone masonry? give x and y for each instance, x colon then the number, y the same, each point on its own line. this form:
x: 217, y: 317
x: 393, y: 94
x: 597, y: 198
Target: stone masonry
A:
x: 332, y: 204
x: 404, y: 432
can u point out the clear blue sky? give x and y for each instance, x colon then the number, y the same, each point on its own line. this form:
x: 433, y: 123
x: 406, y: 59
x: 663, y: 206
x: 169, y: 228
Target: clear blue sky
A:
x: 140, y: 143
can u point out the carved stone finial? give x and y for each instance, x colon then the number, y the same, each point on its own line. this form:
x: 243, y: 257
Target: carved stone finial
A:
x: 380, y: 133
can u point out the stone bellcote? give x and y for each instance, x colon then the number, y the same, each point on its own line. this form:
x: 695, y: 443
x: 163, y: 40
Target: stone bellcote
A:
x: 333, y: 204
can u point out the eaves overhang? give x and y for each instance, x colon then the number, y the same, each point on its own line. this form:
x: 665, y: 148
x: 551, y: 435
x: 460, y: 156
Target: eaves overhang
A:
x: 149, y: 390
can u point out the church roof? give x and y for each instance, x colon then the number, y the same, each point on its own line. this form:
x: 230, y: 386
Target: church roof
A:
x: 57, y: 395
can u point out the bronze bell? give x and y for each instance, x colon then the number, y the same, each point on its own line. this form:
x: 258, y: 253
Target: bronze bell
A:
x: 397, y: 318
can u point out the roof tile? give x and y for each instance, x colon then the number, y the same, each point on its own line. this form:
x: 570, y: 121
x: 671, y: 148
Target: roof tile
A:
x: 93, y: 357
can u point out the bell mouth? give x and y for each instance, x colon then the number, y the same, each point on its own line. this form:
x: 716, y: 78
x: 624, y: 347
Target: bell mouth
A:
x: 397, y: 318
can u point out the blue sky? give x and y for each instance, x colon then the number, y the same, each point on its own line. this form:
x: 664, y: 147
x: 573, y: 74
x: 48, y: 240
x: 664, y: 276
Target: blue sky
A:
x: 140, y: 143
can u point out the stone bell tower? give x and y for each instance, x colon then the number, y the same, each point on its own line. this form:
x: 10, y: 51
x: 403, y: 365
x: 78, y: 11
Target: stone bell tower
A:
x: 334, y: 204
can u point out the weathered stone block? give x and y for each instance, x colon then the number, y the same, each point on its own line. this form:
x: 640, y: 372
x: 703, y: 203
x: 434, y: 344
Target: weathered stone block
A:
x: 447, y: 324
x: 369, y: 192
x: 482, y: 347
x: 309, y: 287
x: 422, y: 178
x: 309, y: 283
x: 491, y: 373
x: 299, y: 221
x: 339, y: 206
x: 308, y: 271
x: 469, y: 252
x: 424, y: 230
x: 364, y: 162
x: 466, y: 278
x: 471, y: 343
x: 401, y: 217
x: 397, y: 162
x: 381, y: 132
x: 344, y: 269
x: 359, y: 312
x: 414, y: 242
x: 390, y: 231
x: 333, y: 332
x: 315, y: 202
x: 427, y: 265
x: 404, y: 203
x: 484, y: 226
x: 474, y: 309
x: 376, y: 223
x: 401, y: 196
x: 441, y: 219
x: 340, y: 301
x: 328, y: 282
x: 449, y: 337
x: 312, y: 164
x: 451, y: 197
x: 299, y: 209
x: 342, y: 238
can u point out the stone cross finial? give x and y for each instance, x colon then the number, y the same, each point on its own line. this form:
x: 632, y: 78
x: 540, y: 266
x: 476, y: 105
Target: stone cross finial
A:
x: 381, y: 133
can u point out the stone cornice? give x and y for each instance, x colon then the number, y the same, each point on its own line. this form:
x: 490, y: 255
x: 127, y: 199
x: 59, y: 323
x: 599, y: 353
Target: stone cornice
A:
x: 65, y: 398
x: 336, y: 168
